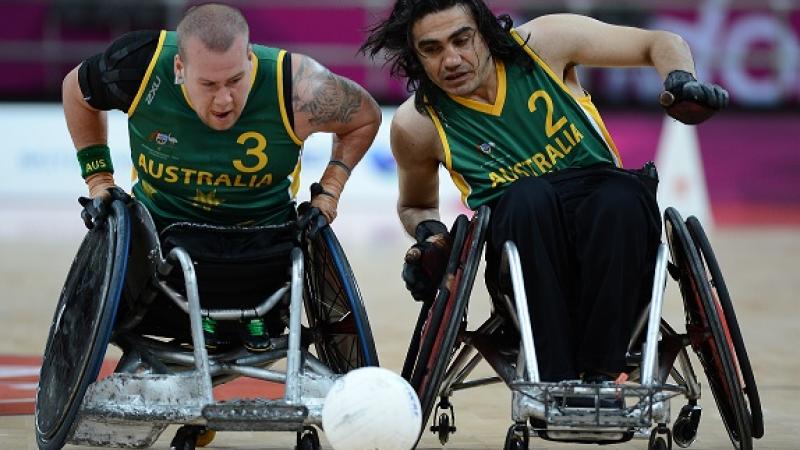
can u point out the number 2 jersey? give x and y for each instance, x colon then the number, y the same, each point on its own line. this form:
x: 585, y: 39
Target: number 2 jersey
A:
x: 186, y: 171
x: 534, y: 127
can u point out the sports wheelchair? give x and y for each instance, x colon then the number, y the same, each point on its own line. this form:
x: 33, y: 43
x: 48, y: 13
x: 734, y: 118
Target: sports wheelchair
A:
x: 122, y: 289
x: 443, y: 353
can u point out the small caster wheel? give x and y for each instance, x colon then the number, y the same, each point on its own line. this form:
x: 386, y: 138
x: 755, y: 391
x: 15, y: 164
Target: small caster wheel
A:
x: 443, y: 427
x: 206, y: 437
x: 684, y: 432
x: 308, y: 439
x: 517, y: 437
x: 187, y: 437
x: 659, y: 442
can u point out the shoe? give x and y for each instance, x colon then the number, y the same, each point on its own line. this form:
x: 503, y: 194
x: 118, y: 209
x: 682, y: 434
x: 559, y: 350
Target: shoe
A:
x: 255, y: 337
x: 592, y: 377
x: 213, y: 342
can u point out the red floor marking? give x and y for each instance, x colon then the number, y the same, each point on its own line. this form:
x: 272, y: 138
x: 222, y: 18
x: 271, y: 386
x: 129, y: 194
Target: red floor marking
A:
x: 19, y: 376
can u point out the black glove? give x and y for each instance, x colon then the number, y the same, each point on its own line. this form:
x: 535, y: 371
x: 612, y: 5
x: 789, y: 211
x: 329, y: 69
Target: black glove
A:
x: 691, y: 101
x: 426, y: 261
x: 311, y: 219
x: 97, y: 209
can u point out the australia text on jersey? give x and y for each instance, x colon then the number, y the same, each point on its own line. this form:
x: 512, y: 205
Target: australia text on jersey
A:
x: 560, y: 146
x: 187, y: 176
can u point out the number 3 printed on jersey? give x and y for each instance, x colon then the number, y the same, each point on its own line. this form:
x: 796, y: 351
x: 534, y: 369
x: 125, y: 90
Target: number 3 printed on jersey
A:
x: 256, y: 151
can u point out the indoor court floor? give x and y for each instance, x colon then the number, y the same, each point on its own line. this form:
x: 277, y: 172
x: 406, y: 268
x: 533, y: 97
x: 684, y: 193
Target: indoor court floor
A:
x: 760, y: 266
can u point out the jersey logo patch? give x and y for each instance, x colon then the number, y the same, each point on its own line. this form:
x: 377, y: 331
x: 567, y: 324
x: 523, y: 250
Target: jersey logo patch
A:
x: 487, y: 147
x: 162, y: 138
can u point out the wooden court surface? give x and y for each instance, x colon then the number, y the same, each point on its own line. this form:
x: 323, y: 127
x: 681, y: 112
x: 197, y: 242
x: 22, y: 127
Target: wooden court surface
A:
x: 760, y: 266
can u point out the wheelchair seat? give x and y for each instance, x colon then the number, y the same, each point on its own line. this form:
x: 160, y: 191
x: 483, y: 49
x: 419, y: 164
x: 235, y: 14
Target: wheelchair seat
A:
x: 236, y: 268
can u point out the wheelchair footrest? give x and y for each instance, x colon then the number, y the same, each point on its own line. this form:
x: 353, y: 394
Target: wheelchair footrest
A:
x: 592, y: 406
x: 255, y: 415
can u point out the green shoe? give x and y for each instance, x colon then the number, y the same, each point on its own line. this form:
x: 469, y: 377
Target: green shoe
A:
x: 213, y: 342
x: 255, y: 337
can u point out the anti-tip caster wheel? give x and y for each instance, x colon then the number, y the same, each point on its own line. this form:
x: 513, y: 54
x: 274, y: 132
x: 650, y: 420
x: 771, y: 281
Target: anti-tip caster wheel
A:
x: 308, y: 439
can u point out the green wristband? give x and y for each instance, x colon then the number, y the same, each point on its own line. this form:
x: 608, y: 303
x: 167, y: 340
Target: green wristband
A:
x: 94, y: 159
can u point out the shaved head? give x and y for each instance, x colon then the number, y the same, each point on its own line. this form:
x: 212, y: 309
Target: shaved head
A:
x: 216, y: 26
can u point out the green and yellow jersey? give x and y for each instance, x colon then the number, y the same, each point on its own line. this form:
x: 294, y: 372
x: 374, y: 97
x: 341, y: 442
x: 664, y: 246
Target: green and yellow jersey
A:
x: 535, y: 126
x: 186, y: 171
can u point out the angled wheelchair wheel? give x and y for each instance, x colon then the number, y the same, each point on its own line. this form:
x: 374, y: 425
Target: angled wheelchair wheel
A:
x: 705, y: 324
x: 334, y: 307
x: 82, y: 327
x: 724, y: 305
x: 440, y: 323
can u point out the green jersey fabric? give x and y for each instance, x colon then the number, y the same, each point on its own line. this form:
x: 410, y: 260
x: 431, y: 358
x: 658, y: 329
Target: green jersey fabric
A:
x: 186, y: 171
x: 535, y: 126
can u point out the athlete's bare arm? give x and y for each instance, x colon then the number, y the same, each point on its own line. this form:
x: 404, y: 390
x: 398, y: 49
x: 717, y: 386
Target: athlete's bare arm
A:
x: 417, y: 150
x: 324, y: 101
x: 566, y: 40
x: 87, y: 126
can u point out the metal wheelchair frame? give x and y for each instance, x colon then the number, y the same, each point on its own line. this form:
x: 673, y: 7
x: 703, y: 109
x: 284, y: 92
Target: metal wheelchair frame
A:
x: 574, y: 411
x: 158, y: 383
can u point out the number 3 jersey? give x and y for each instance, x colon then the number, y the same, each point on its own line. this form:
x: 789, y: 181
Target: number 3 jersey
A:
x: 186, y: 171
x: 534, y: 127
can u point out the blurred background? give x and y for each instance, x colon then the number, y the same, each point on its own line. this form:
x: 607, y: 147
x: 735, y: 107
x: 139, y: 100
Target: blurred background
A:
x: 748, y: 155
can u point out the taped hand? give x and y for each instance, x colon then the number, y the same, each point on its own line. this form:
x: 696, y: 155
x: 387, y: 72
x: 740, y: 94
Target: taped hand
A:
x: 426, y: 261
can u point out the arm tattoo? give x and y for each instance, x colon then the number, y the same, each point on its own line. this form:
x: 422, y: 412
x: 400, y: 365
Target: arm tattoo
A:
x: 324, y: 96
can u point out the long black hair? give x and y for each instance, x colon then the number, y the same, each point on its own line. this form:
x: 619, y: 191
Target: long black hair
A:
x: 393, y: 36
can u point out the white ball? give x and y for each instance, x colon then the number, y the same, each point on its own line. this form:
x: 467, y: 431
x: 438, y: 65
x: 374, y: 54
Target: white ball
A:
x: 371, y: 408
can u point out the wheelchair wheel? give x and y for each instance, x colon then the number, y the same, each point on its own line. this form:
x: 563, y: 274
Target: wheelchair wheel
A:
x: 81, y: 327
x: 709, y: 338
x: 444, y: 319
x: 724, y: 305
x: 335, y: 309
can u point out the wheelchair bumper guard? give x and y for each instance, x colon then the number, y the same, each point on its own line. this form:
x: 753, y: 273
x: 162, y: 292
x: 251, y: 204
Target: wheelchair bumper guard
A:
x: 132, y: 410
x: 609, y: 418
x: 126, y: 410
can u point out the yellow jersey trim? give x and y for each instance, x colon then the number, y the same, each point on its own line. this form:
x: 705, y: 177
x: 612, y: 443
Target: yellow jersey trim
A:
x: 294, y: 188
x: 148, y: 72
x: 494, y: 109
x: 458, y: 180
x: 591, y: 109
x: 254, y: 72
x: 543, y: 64
x: 281, y: 100
x: 186, y: 96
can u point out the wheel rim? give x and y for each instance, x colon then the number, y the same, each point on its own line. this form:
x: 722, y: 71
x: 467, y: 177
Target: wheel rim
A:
x: 337, y: 316
x: 451, y: 303
x: 724, y: 304
x: 94, y: 284
x: 707, y: 334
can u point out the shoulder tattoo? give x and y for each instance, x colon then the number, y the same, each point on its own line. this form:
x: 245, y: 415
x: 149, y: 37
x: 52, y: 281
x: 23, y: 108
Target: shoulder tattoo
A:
x: 322, y: 95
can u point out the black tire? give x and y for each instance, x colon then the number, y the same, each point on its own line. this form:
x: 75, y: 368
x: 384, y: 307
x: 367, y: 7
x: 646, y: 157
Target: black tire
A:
x: 308, y: 439
x: 722, y: 298
x: 82, y: 327
x: 423, y: 338
x: 438, y: 336
x: 658, y: 444
x: 517, y: 438
x: 707, y: 334
x: 334, y: 307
